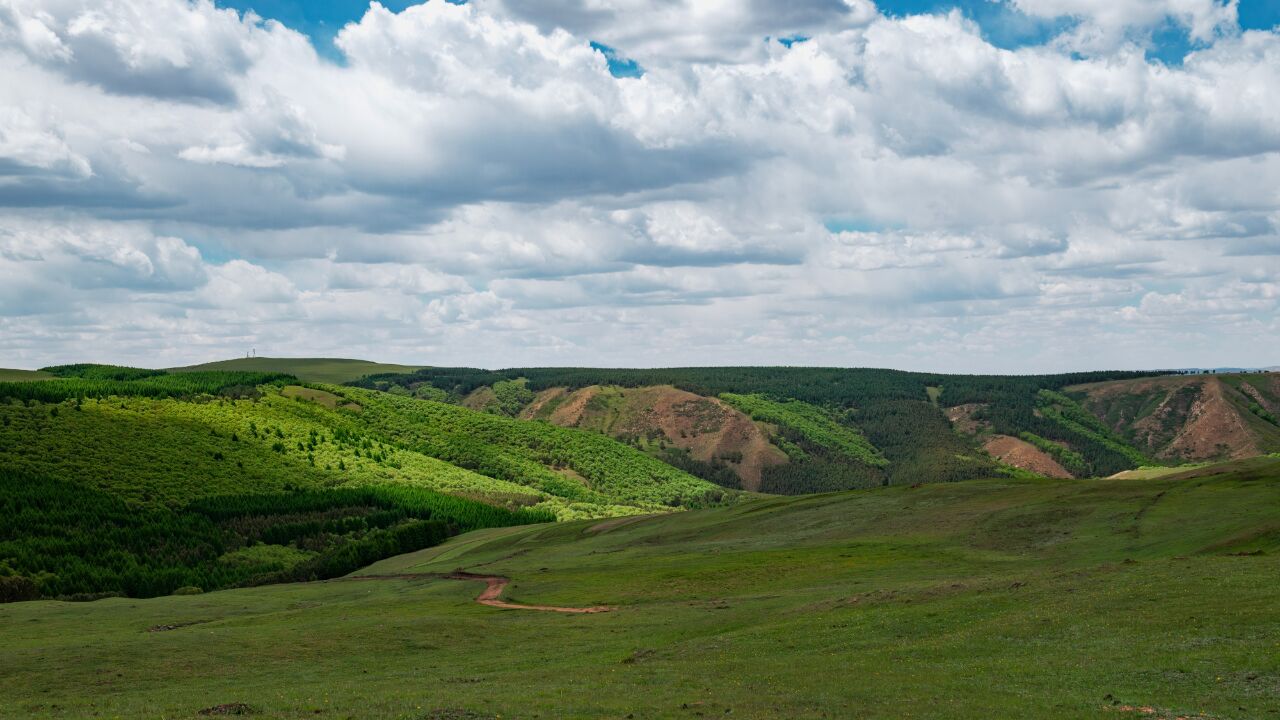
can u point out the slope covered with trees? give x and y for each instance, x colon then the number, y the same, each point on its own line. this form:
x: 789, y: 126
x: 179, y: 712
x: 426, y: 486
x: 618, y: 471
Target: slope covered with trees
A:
x: 236, y: 478
x: 62, y: 539
x: 901, y: 416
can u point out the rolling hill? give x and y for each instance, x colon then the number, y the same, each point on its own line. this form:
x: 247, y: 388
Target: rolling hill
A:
x: 1070, y: 599
x: 816, y: 429
x: 161, y: 443
x: 1191, y: 418
x: 321, y: 370
x: 562, y: 444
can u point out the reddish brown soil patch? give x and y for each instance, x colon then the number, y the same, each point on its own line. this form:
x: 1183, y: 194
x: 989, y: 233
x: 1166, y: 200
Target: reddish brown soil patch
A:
x: 494, y: 584
x: 1197, y: 417
x: 569, y: 413
x: 1213, y: 428
x: 707, y: 428
x: 1022, y: 454
x: 1262, y: 400
x: 491, y: 596
x: 962, y: 418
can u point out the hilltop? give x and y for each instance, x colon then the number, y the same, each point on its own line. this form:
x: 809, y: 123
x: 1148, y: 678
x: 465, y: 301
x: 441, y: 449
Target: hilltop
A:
x: 321, y: 370
x: 1192, y: 417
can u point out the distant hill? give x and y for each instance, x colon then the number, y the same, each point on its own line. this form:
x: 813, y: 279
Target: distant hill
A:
x: 324, y: 370
x: 816, y: 429
x: 1191, y: 417
x: 7, y: 375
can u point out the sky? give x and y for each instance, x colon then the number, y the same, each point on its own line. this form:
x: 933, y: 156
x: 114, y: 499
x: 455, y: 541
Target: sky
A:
x: 1004, y: 186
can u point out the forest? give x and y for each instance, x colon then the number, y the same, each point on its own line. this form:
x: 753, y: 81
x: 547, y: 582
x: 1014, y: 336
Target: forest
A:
x: 78, y: 382
x: 64, y: 540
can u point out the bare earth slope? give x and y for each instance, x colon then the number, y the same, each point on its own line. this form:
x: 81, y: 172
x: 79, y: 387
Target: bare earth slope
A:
x: 1190, y: 417
x: 1022, y: 454
x: 706, y: 427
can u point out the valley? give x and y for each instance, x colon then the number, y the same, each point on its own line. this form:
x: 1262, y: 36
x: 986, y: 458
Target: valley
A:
x: 754, y: 542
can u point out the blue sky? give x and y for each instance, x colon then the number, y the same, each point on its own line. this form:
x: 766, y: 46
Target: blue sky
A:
x: 472, y: 184
x: 1003, y: 26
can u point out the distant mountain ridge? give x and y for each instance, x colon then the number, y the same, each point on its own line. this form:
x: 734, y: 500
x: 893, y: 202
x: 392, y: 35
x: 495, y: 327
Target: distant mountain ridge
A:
x: 330, y: 370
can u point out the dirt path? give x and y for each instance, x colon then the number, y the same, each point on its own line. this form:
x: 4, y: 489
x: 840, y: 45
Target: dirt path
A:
x: 491, y: 596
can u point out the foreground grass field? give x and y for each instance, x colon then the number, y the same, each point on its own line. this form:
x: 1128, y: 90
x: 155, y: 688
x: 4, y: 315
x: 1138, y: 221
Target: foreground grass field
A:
x: 984, y: 599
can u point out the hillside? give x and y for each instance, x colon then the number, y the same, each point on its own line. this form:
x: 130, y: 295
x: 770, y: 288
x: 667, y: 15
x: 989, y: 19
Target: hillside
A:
x: 321, y: 370
x: 829, y: 428
x: 1190, y: 418
x: 999, y: 598
x: 171, y: 448
x: 705, y: 435
x: 156, y: 444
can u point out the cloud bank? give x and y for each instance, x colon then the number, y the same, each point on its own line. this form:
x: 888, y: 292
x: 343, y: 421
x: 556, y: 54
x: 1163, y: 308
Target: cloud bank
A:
x: 809, y: 183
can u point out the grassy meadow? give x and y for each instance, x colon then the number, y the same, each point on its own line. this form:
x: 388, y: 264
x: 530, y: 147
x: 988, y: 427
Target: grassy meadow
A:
x: 980, y: 599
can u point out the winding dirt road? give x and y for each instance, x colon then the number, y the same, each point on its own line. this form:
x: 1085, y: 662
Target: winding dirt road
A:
x: 491, y: 596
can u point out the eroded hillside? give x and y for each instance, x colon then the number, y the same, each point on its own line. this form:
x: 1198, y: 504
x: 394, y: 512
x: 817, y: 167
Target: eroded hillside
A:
x: 1190, y: 417
x: 667, y: 421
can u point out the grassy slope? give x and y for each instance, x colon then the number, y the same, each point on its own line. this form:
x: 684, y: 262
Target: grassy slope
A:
x: 323, y: 370
x: 971, y: 600
x: 8, y: 375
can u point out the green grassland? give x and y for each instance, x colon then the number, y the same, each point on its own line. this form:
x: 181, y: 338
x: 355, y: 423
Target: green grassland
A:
x: 1155, y: 471
x: 990, y: 598
x: 321, y: 370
